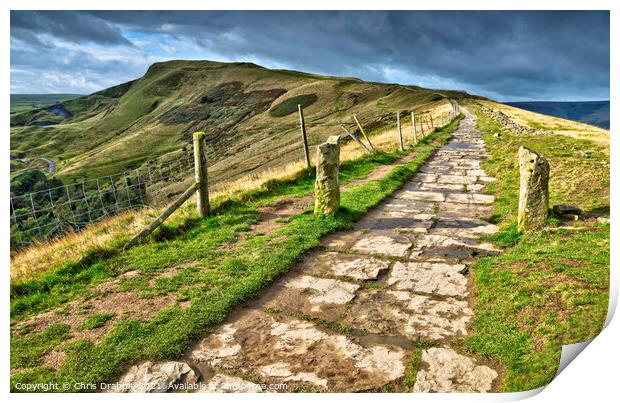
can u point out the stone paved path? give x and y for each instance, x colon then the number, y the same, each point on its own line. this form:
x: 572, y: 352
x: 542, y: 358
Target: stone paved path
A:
x: 345, y: 319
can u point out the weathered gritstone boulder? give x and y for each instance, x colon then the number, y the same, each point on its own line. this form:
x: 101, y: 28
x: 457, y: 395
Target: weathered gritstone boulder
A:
x: 402, y: 313
x: 327, y: 185
x: 533, y: 191
x: 152, y: 377
x: 444, y: 370
x: 279, y: 349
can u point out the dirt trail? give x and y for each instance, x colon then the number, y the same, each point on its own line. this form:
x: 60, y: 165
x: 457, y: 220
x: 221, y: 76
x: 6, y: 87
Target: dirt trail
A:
x: 347, y: 317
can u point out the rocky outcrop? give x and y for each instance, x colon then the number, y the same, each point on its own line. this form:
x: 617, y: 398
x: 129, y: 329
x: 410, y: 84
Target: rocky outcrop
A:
x: 534, y: 190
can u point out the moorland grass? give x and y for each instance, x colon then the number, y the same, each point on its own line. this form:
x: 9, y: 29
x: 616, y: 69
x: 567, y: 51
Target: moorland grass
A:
x: 551, y: 287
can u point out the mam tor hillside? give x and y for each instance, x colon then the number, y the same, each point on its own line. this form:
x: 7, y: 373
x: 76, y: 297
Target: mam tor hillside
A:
x: 131, y: 145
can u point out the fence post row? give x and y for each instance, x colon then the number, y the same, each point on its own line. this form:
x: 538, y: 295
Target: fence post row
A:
x: 304, y: 138
x: 200, y: 173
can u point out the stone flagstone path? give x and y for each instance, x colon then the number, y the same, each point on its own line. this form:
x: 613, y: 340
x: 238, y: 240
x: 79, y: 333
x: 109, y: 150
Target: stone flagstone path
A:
x: 345, y: 319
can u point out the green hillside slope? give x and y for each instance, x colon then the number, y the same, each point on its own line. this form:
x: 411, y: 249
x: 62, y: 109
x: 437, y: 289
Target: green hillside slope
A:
x: 248, y: 112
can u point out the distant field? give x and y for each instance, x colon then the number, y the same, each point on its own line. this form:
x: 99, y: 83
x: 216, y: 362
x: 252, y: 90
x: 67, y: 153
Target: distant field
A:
x: 593, y: 113
x: 26, y: 102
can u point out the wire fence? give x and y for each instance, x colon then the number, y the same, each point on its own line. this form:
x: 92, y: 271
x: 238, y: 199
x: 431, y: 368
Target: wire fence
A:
x: 47, y: 213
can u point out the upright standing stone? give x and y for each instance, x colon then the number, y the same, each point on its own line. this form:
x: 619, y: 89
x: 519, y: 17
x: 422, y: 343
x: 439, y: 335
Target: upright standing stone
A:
x: 534, y: 190
x: 327, y: 186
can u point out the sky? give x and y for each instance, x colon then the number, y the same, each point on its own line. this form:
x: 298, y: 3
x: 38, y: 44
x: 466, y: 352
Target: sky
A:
x: 503, y: 55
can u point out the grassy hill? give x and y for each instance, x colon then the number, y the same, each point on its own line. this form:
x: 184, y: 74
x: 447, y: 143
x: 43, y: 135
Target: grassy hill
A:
x: 248, y: 112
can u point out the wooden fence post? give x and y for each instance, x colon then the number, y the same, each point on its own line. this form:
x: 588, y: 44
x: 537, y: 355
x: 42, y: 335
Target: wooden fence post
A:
x: 200, y: 173
x: 165, y: 214
x: 400, y: 133
x: 304, y: 138
x: 415, y: 135
x: 363, y: 133
x: 355, y: 138
x: 421, y: 127
x: 432, y: 124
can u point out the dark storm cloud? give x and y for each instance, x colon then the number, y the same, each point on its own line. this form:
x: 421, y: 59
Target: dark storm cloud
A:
x: 69, y: 25
x: 504, y: 55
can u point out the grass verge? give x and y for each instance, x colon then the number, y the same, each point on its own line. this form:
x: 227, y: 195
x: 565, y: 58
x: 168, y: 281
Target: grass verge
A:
x: 551, y: 287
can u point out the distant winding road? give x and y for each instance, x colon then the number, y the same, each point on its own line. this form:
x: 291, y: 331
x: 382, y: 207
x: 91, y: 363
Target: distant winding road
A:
x: 51, y: 165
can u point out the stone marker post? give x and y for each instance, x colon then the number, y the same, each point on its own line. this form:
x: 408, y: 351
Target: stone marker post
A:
x: 327, y: 185
x: 534, y: 190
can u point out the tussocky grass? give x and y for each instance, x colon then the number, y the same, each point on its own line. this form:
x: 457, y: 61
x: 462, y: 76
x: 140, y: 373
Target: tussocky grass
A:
x: 550, y: 287
x: 217, y: 279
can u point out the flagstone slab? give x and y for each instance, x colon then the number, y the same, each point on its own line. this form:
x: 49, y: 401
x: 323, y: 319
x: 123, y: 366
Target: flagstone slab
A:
x: 280, y: 349
x: 445, y: 370
x: 341, y: 241
x: 439, y: 248
x: 323, y: 298
x: 470, y: 198
x: 345, y: 266
x: 402, y: 313
x: 420, y: 195
x: 421, y: 177
x: 383, y: 243
x: 431, y: 278
x: 456, y: 179
x: 464, y: 210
